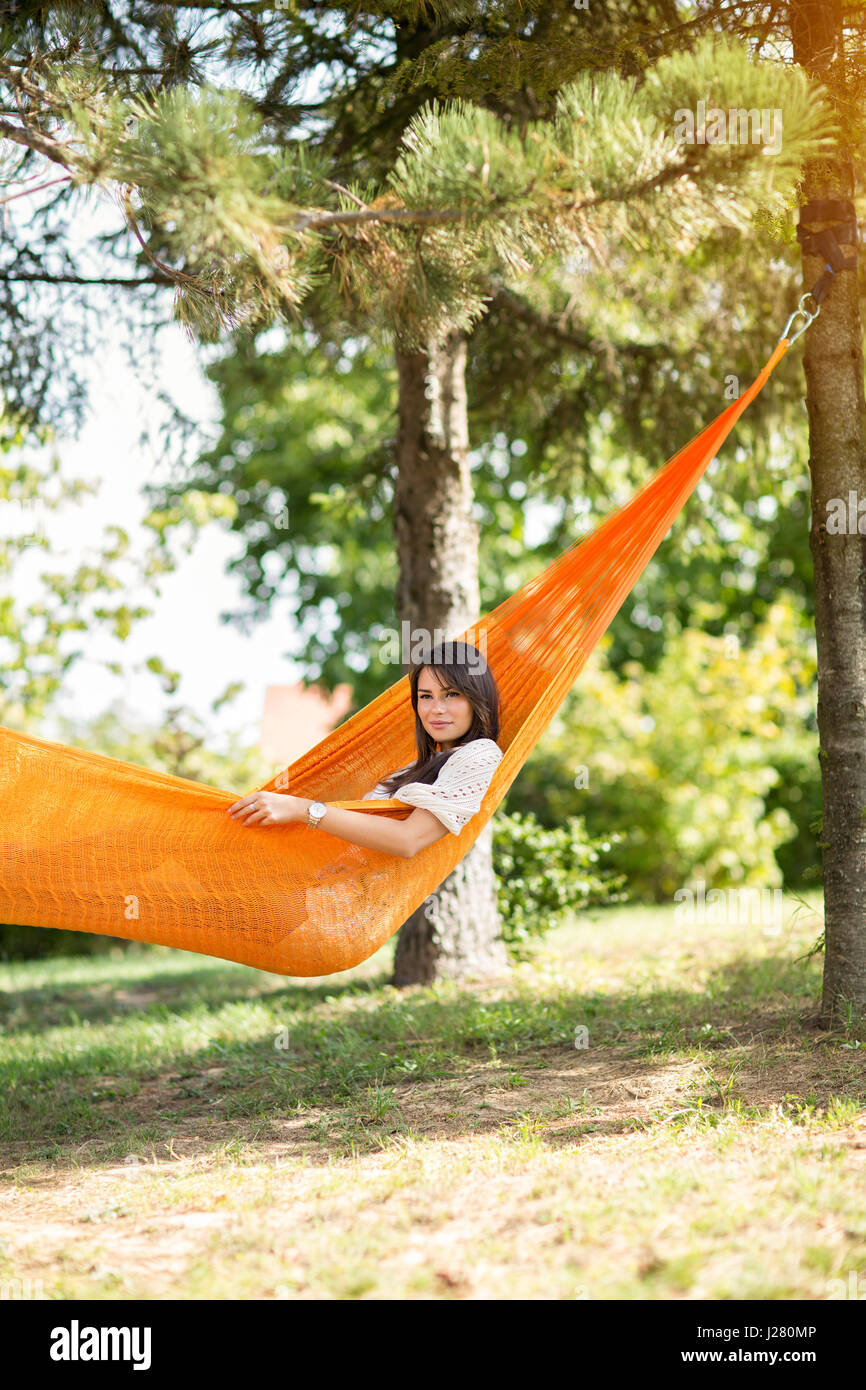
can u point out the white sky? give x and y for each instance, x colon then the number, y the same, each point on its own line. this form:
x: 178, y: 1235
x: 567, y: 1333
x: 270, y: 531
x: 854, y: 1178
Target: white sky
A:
x: 185, y: 629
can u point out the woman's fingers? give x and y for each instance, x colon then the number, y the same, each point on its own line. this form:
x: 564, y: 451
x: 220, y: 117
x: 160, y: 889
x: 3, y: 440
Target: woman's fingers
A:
x: 247, y: 812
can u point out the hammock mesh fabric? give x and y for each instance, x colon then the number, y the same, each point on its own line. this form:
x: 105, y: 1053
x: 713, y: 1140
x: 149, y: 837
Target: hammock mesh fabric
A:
x: 91, y: 843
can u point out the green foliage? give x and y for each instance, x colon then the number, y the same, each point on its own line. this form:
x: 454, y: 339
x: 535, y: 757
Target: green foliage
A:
x: 720, y: 72
x: 247, y: 228
x: 38, y: 943
x: 518, y: 54
x: 686, y: 762
x: 605, y: 171
x: 193, y: 511
x: 542, y: 872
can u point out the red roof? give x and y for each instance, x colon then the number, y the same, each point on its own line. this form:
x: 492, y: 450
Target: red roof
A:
x: 296, y: 717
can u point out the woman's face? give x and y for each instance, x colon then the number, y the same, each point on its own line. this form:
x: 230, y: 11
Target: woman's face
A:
x: 445, y: 713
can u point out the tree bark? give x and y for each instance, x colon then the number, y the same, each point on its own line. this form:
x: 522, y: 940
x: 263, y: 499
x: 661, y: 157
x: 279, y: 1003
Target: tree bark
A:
x: 837, y: 446
x: 456, y: 933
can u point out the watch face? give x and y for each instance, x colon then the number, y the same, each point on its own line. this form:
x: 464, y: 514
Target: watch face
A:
x: 317, y: 808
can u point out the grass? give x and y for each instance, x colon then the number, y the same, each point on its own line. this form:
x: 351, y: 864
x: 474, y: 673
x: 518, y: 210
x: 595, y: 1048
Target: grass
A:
x: 642, y: 1110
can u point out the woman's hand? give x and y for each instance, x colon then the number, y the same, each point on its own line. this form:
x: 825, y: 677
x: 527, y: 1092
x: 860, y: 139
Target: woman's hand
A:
x: 269, y: 808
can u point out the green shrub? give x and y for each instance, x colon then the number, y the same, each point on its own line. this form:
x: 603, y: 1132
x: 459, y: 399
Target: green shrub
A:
x: 543, y: 871
x: 694, y: 764
x: 35, y: 943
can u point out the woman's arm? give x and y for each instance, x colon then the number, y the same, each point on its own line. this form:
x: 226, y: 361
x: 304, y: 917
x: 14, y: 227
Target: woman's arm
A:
x: 404, y: 838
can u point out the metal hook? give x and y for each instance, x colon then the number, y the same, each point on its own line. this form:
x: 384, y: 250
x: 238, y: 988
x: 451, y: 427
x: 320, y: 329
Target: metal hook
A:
x: 806, y: 314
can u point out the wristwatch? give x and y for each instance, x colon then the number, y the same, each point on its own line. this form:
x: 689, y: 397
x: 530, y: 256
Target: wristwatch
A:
x: 315, y: 811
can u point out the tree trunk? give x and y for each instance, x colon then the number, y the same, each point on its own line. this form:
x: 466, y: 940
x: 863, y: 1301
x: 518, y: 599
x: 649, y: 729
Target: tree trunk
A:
x: 837, y: 445
x: 455, y: 933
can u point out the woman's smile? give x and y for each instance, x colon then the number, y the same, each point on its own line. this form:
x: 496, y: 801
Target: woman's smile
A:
x: 430, y: 694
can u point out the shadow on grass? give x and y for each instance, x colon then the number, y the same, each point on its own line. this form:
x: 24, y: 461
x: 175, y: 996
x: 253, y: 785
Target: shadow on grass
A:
x: 342, y: 1066
x: 116, y: 996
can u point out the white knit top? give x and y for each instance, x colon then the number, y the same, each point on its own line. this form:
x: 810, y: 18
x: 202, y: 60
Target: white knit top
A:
x: 457, y: 793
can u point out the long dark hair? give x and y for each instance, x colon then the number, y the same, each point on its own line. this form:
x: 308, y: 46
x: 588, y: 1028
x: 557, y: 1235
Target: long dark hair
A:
x: 457, y: 666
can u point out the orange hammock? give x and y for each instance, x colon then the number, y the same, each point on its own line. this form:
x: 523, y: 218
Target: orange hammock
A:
x: 91, y: 843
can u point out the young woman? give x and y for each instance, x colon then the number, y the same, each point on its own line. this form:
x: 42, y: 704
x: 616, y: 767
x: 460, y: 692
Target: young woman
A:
x: 456, y: 704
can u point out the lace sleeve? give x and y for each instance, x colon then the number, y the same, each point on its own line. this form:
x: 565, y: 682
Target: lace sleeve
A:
x: 456, y: 795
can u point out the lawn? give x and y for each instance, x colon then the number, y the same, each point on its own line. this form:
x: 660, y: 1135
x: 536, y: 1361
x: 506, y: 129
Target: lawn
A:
x: 177, y: 1127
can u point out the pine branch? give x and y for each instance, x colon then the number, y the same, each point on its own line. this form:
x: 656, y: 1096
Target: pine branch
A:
x: 315, y: 220
x: 24, y: 192
x: 35, y: 277
x: 468, y: 195
x: 552, y: 328
x: 179, y: 276
x: 42, y: 144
